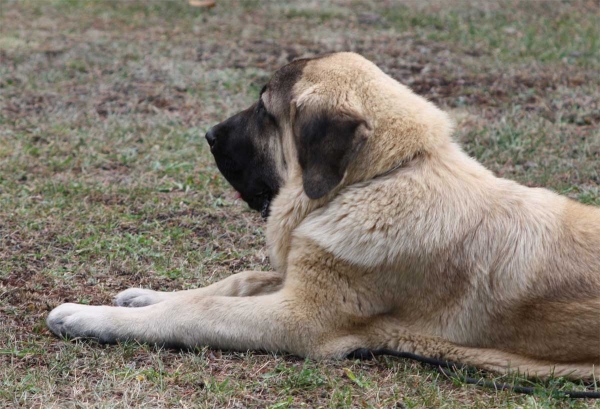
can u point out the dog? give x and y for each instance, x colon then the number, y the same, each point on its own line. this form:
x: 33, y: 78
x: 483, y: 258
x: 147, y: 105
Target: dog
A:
x: 382, y: 233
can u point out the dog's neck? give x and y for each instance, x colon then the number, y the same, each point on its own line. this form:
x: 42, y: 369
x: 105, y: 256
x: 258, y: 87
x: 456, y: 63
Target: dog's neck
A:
x: 288, y: 209
x: 400, y: 164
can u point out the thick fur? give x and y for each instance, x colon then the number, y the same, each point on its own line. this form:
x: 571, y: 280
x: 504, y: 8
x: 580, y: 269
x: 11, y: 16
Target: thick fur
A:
x: 413, y: 246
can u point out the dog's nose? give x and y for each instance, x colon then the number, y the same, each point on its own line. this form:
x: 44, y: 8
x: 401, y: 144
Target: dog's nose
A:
x: 211, y: 138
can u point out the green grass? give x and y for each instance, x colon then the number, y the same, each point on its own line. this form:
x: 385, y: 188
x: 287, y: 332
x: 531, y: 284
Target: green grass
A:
x: 105, y: 182
x: 544, y: 32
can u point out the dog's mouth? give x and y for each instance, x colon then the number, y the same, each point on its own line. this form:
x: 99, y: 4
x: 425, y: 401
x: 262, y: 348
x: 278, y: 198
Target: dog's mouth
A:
x: 265, y: 209
x: 263, y: 203
x: 260, y: 202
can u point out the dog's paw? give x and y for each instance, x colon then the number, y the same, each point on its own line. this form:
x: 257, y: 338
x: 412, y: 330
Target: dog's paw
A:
x: 82, y: 321
x: 139, y: 297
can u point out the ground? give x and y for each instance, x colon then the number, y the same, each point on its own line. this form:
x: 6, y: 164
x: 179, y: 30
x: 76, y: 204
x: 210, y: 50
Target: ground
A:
x: 106, y: 182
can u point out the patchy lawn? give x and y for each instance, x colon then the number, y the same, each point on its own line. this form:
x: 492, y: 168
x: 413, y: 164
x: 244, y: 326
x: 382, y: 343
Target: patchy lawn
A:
x: 106, y: 183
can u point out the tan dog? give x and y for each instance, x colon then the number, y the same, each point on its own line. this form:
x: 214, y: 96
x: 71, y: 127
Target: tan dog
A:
x: 383, y: 233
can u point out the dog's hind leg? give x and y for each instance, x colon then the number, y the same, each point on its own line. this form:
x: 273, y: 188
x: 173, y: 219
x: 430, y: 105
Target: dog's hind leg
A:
x: 247, y: 283
x: 484, y: 358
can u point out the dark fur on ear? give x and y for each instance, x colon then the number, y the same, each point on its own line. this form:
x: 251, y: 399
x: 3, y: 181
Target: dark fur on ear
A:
x: 326, y: 144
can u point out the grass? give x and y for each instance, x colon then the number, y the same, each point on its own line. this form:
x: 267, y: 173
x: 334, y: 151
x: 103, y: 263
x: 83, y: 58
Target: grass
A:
x: 105, y: 182
x: 567, y: 33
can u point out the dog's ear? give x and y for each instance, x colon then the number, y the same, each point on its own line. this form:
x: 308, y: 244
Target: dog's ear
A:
x: 327, y: 139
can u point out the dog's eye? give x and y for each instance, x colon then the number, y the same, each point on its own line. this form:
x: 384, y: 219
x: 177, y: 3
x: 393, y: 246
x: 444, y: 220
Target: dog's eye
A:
x: 261, y: 109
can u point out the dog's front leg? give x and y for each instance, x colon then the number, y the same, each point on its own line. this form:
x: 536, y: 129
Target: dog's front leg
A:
x: 247, y: 283
x: 270, y: 322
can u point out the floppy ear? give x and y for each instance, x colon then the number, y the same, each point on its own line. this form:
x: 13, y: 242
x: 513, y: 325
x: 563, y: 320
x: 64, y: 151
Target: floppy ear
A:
x: 327, y: 140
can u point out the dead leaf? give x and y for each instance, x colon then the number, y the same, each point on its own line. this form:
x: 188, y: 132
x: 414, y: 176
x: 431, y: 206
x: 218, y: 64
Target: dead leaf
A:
x: 208, y: 4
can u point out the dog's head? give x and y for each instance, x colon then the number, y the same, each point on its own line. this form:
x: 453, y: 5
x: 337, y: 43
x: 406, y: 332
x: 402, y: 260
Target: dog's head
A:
x: 334, y: 120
